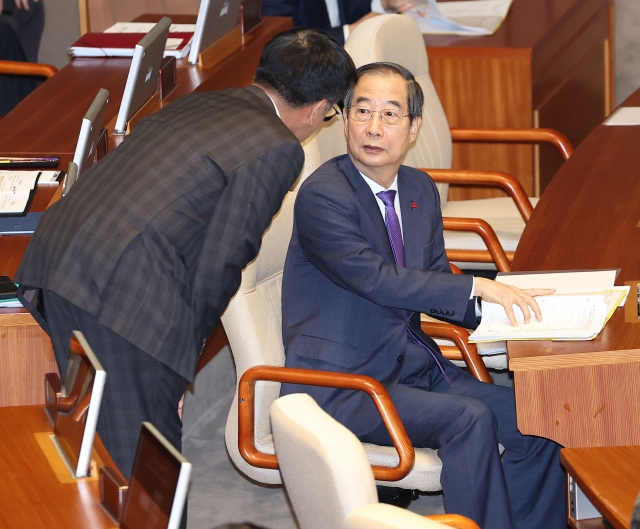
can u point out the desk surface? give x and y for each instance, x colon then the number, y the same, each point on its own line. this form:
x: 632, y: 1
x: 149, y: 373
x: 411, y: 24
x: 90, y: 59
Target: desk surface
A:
x: 609, y: 476
x: 31, y: 495
x: 589, y: 218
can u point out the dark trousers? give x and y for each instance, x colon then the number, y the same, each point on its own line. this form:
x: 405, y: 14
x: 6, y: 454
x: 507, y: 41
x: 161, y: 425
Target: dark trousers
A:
x: 524, y: 489
x: 138, y: 387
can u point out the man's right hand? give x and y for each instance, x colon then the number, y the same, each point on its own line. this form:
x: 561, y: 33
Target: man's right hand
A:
x: 508, y: 296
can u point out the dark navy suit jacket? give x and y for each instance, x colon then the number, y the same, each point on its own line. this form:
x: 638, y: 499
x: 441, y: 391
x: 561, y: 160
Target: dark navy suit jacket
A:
x: 314, y: 14
x: 344, y: 300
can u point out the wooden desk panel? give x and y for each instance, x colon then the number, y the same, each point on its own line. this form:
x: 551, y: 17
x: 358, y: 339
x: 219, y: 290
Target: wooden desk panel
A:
x: 586, y: 393
x: 549, y: 65
x: 30, y: 493
x: 610, y: 478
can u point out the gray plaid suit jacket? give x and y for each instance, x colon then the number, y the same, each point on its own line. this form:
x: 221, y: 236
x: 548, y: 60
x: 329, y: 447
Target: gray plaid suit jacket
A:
x: 152, y: 239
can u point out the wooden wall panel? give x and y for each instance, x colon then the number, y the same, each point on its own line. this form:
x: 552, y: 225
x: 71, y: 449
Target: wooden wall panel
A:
x: 480, y: 90
x: 26, y: 355
x: 103, y: 14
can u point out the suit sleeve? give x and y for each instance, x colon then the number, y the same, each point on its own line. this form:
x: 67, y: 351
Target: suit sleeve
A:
x: 251, y: 198
x: 331, y: 237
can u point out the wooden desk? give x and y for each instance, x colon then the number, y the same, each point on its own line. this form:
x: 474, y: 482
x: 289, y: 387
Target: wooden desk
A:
x: 47, y: 122
x: 31, y: 494
x: 609, y: 477
x: 550, y: 64
x: 586, y: 393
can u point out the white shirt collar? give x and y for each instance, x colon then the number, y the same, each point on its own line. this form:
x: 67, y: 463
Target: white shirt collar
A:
x: 376, y: 187
x: 274, y: 105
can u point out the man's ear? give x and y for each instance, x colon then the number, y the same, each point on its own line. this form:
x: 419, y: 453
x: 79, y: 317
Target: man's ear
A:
x: 313, y: 109
x: 415, y: 126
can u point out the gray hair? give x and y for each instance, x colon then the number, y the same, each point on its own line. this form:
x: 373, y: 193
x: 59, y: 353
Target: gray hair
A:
x: 415, y: 96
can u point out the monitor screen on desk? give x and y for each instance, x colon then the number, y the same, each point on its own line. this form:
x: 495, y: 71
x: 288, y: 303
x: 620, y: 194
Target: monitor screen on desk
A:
x: 143, y: 74
x: 158, y: 484
x: 90, y: 132
x: 81, y: 395
x: 215, y: 19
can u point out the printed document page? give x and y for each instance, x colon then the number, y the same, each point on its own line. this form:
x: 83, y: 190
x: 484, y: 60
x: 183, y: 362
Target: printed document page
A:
x: 470, y: 17
x: 574, y: 317
x: 11, y: 181
x: 14, y: 202
x: 145, y: 27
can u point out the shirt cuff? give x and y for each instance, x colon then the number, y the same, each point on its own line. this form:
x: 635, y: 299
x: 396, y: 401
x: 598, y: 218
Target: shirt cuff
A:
x: 376, y: 7
x: 346, y: 32
x: 477, y: 304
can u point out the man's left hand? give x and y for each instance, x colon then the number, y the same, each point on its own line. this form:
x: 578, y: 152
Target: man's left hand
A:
x: 508, y: 296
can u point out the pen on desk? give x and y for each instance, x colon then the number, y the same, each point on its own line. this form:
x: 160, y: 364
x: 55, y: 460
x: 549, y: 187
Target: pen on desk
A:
x: 32, y: 159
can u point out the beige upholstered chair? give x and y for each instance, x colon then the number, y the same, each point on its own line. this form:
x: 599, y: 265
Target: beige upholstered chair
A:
x: 396, y: 38
x: 328, y: 477
x: 253, y: 324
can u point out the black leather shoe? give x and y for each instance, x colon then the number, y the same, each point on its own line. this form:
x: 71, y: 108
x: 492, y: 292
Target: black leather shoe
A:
x: 396, y: 496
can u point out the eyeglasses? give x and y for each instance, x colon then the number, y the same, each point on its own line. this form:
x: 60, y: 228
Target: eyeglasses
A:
x: 387, y: 116
x: 332, y: 113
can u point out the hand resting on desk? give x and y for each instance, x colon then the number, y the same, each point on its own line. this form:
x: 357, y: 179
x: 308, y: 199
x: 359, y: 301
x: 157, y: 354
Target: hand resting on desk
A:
x: 508, y: 296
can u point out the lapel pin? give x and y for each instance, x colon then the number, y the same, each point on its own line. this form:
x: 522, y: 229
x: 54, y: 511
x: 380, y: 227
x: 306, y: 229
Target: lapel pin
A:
x: 414, y: 205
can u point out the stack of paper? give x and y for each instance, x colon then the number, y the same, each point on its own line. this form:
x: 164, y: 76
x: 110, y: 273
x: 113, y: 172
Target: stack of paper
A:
x: 120, y: 40
x: 16, y: 189
x: 470, y: 17
x: 624, y: 116
x: 578, y: 310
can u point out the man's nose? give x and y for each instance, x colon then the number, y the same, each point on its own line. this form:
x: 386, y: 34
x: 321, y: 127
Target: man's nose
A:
x: 374, y: 126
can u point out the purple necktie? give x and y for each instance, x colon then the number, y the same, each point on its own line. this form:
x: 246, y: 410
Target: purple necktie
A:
x: 397, y: 247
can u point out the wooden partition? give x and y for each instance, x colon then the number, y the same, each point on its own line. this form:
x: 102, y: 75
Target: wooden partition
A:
x: 550, y: 64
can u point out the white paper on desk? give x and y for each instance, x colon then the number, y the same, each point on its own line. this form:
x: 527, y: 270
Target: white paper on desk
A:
x: 470, y: 17
x: 18, y: 181
x: 145, y: 27
x: 624, y: 116
x: 569, y: 282
x: 13, y: 303
x: 14, y: 202
x: 579, y: 317
x: 49, y: 177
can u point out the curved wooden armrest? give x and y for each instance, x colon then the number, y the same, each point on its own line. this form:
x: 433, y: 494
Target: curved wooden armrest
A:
x: 455, y: 269
x: 377, y: 392
x: 460, y: 337
x: 80, y: 413
x: 558, y: 139
x: 482, y: 228
x: 27, y: 68
x: 454, y: 520
x: 486, y: 178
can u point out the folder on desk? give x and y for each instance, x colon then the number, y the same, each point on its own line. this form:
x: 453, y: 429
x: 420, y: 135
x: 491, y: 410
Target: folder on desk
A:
x: 123, y: 45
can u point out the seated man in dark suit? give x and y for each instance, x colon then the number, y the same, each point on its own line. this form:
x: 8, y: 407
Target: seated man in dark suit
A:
x: 365, y: 259
x: 147, y: 248
x: 338, y: 17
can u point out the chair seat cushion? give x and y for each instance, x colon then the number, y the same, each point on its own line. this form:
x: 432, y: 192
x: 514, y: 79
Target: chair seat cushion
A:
x: 424, y: 476
x: 501, y: 213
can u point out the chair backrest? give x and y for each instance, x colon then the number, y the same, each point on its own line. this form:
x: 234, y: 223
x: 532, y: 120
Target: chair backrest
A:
x: 397, y: 39
x: 323, y: 465
x: 253, y: 322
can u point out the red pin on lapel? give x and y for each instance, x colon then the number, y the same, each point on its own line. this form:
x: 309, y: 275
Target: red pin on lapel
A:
x: 414, y: 205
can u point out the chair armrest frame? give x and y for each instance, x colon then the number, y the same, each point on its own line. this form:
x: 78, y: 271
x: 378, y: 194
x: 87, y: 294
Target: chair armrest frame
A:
x: 558, y: 139
x: 456, y: 521
x: 377, y: 392
x: 482, y: 228
x: 486, y: 178
x: 27, y: 68
x: 460, y: 337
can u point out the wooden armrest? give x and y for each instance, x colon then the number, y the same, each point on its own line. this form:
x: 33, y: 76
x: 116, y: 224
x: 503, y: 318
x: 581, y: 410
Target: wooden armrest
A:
x: 460, y: 337
x: 474, y: 256
x: 486, y: 178
x: 80, y: 413
x: 558, y: 139
x: 27, y: 68
x: 482, y: 228
x: 454, y: 520
x: 377, y: 392
x: 455, y: 269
